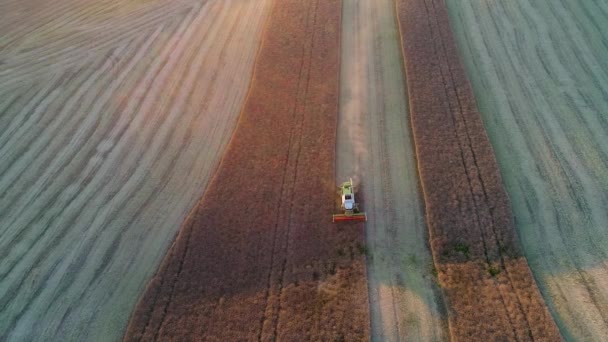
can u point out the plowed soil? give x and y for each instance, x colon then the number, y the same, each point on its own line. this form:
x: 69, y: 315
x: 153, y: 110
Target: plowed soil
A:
x: 489, y: 289
x: 259, y: 258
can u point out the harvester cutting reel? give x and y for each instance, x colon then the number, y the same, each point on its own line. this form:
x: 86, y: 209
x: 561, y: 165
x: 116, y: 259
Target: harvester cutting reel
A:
x: 349, y: 205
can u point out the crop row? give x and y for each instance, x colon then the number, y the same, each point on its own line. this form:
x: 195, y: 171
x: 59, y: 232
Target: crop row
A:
x: 488, y: 286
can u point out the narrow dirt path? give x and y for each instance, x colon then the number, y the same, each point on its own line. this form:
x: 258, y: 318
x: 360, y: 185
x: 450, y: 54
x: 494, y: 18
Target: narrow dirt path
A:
x: 259, y: 258
x: 375, y: 147
x: 539, y: 71
x: 113, y: 116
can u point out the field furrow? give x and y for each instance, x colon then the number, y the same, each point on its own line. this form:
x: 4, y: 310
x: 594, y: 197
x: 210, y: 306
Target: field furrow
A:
x: 489, y: 289
x: 375, y: 147
x: 105, y: 150
x: 540, y: 75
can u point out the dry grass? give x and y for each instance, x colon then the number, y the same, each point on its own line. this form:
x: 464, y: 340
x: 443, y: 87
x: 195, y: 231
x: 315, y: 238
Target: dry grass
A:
x: 257, y: 257
x: 488, y: 286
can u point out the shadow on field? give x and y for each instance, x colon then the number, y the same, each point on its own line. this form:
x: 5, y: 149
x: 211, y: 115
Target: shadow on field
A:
x: 263, y: 281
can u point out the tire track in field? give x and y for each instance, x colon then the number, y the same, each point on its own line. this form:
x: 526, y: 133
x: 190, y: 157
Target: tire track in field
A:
x: 541, y: 88
x: 298, y: 128
x: 474, y: 176
x: 267, y: 289
x: 488, y: 286
x: 96, y: 169
x: 288, y: 194
x: 375, y: 147
x: 269, y: 271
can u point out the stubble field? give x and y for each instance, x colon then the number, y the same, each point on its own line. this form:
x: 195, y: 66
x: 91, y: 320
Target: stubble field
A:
x: 539, y: 70
x: 375, y: 146
x: 489, y: 290
x: 113, y: 116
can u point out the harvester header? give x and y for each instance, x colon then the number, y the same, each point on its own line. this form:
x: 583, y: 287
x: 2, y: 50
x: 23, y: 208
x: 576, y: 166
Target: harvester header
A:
x: 349, y: 206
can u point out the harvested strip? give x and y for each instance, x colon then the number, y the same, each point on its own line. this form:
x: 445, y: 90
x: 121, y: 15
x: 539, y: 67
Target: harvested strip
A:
x: 540, y: 75
x: 375, y: 147
x: 488, y: 286
x: 105, y: 148
x: 258, y: 257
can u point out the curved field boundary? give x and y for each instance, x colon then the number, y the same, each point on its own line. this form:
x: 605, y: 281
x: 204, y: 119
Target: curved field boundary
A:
x: 258, y: 258
x: 539, y: 70
x: 114, y: 115
x: 489, y: 289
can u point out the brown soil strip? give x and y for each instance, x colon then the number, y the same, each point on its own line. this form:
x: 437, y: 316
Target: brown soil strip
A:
x: 488, y: 286
x: 258, y: 258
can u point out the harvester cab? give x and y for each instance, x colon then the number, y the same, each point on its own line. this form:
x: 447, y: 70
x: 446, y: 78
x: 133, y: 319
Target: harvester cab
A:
x: 349, y: 206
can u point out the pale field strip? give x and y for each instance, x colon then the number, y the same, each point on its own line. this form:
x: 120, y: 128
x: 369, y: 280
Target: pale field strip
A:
x: 539, y: 70
x: 375, y: 146
x: 108, y: 135
x: 73, y: 39
x: 53, y: 19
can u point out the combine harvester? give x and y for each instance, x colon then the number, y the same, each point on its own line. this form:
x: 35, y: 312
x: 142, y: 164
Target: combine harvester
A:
x: 349, y: 205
